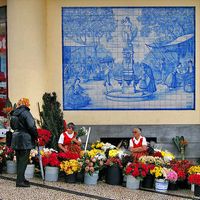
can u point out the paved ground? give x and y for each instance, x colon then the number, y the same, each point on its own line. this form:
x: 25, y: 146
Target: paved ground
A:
x: 61, y: 191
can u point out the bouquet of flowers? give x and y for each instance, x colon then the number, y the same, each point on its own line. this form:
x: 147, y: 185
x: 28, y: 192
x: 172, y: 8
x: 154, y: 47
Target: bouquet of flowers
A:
x: 92, y: 162
x: 163, y: 173
x: 115, y: 157
x: 50, y: 157
x: 138, y: 170
x: 158, y: 161
x: 9, y: 153
x: 62, y: 156
x: 3, y: 122
x: 107, y: 146
x: 70, y: 167
x: 194, y: 179
x: 81, y: 132
x: 114, y: 161
x: 44, y: 136
x: 194, y: 170
x: 171, y: 175
x: 181, y: 168
x: 167, y: 156
x: 97, y: 145
x: 180, y: 143
x: 33, y: 156
x: 1, y: 154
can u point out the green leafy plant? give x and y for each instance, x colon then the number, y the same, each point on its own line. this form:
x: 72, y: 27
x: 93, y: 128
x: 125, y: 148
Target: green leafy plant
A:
x: 180, y: 143
x: 51, y: 118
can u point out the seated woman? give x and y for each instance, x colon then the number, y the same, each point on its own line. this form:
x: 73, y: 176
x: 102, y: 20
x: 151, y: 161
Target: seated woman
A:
x: 68, y: 141
x: 138, y: 144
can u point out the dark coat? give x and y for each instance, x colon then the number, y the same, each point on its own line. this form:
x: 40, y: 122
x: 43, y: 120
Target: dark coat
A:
x: 25, y: 131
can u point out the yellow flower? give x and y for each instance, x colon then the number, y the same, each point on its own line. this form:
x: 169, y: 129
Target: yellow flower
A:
x: 92, y: 153
x: 113, y: 153
x: 69, y: 167
x: 99, y: 145
x: 194, y: 169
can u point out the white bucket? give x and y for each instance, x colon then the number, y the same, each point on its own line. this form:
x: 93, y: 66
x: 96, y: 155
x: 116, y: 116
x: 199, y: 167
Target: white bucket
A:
x: 51, y: 173
x: 161, y: 185
x: 132, y: 183
x: 11, y: 167
x: 29, y: 172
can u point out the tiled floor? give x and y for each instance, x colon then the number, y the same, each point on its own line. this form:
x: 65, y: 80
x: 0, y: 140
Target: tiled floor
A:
x: 61, y: 191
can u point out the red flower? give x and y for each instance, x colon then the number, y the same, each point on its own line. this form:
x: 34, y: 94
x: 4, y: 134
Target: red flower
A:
x: 68, y: 156
x: 137, y: 169
x: 114, y: 161
x: 157, y: 154
x: 181, y: 167
x: 194, y: 179
x: 51, y: 160
x: 43, y: 136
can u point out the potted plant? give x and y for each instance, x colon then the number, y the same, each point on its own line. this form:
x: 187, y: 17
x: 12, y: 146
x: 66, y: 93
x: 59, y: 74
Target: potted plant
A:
x: 161, y: 182
x: 29, y: 172
x: 151, y: 161
x: 1, y: 159
x: 70, y: 168
x: 51, y: 163
x: 195, y: 179
x: 180, y: 143
x: 172, y: 177
x: 114, y: 168
x: 193, y: 170
x: 44, y: 137
x: 91, y: 163
x: 181, y: 167
x: 9, y: 155
x: 135, y: 172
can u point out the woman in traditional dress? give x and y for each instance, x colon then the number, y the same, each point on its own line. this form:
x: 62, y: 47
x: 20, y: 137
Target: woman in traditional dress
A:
x: 68, y: 141
x: 138, y: 144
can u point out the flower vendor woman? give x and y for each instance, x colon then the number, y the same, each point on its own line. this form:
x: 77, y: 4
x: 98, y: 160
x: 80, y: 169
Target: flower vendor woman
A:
x: 138, y: 144
x: 68, y: 141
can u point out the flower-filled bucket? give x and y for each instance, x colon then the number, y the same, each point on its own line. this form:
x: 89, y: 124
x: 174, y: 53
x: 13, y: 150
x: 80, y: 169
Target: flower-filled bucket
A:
x: 91, y: 179
x: 114, y: 175
x: 71, y: 178
x: 148, y: 181
x: 161, y: 185
x: 132, y: 182
x: 197, y: 190
x: 29, y: 172
x: 11, y: 167
x: 51, y: 173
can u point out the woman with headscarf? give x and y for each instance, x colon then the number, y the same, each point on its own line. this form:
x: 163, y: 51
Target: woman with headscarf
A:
x: 24, y: 138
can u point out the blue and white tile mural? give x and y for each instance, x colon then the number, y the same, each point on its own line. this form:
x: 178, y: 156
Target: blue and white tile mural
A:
x: 128, y: 58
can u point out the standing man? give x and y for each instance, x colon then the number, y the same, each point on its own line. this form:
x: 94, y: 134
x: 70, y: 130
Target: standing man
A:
x: 138, y: 144
x: 24, y: 138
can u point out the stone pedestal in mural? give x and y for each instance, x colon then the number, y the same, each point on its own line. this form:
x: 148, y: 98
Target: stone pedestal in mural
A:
x: 128, y: 73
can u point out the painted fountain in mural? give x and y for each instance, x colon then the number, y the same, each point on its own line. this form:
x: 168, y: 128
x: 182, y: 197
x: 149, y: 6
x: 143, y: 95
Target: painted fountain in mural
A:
x: 128, y: 81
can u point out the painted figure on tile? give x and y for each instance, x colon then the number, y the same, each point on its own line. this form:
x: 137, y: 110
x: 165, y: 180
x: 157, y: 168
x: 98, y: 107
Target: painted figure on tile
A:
x: 76, y: 95
x: 189, y: 79
x: 148, y: 82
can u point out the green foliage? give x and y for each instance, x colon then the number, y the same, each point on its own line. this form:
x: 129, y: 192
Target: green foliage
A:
x: 52, y: 117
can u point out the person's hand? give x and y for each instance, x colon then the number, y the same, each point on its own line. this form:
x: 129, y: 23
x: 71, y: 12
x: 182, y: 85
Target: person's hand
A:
x: 74, y: 140
x: 65, y: 150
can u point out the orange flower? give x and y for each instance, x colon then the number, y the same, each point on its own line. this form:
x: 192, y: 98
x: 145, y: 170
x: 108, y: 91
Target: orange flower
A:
x: 183, y: 142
